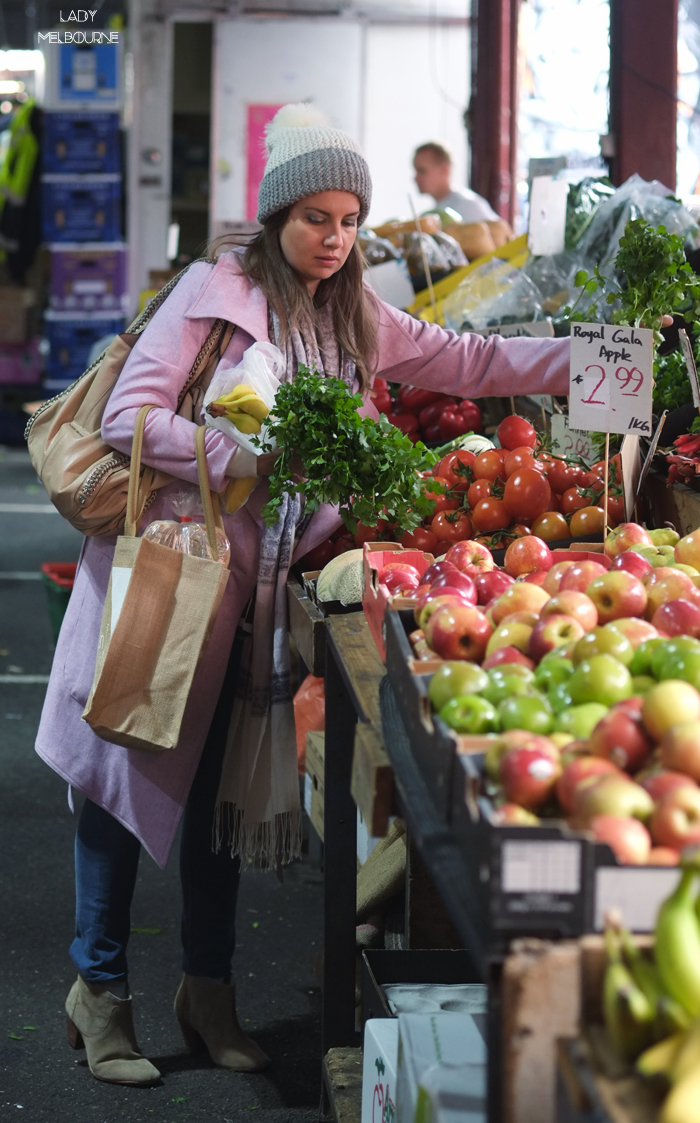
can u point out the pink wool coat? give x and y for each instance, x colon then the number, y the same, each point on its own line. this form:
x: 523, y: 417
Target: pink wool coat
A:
x: 147, y: 792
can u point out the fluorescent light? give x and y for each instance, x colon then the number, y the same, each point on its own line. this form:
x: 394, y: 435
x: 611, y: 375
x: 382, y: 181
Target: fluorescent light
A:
x: 18, y: 61
x: 11, y: 87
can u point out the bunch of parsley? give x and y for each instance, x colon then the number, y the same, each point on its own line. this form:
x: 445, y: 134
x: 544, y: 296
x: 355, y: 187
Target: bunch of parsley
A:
x: 369, y: 468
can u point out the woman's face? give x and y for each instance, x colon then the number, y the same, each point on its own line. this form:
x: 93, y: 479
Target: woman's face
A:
x: 319, y: 234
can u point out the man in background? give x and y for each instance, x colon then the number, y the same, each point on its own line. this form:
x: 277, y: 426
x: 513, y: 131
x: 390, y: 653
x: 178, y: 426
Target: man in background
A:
x: 433, y: 166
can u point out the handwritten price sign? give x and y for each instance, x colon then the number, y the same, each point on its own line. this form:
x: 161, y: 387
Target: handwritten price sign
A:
x: 570, y: 442
x: 610, y: 383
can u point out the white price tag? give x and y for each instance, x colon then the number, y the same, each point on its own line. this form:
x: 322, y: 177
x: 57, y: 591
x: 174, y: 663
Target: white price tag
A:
x: 541, y: 867
x: 547, y: 226
x: 610, y: 383
x: 571, y: 442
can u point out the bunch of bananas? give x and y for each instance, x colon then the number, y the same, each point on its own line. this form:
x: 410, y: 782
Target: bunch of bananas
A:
x: 242, y: 407
x: 652, y: 1009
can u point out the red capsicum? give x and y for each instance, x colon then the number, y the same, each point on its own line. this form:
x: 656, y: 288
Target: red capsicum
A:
x: 413, y: 398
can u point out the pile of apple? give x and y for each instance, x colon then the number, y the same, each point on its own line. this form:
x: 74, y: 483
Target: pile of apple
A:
x: 586, y: 674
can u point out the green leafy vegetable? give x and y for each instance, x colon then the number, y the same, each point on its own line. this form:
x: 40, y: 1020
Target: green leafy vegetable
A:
x: 369, y: 468
x: 671, y: 382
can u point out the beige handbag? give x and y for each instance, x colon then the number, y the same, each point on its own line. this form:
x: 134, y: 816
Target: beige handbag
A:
x: 86, y: 480
x: 160, y: 608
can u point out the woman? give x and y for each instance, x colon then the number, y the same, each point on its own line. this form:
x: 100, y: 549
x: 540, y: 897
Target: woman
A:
x: 300, y: 285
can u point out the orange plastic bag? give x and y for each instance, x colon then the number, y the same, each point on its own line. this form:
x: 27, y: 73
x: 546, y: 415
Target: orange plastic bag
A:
x: 309, y: 714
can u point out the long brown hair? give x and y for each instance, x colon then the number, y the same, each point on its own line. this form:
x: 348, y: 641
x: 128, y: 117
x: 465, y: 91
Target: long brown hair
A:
x: 354, y: 309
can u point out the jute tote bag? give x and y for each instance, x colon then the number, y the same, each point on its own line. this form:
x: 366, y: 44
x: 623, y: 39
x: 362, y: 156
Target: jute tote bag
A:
x: 158, y: 615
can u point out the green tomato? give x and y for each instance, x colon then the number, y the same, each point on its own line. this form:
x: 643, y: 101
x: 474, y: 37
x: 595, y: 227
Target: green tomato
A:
x: 502, y: 686
x: 470, y: 714
x: 641, y: 660
x: 604, y: 641
x: 580, y: 721
x: 531, y: 712
x: 600, y: 679
x: 454, y: 679
x: 559, y: 697
x: 553, y: 672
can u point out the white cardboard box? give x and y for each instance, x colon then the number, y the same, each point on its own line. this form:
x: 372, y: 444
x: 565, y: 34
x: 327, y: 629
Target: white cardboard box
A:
x: 379, y: 1061
x: 455, y: 1041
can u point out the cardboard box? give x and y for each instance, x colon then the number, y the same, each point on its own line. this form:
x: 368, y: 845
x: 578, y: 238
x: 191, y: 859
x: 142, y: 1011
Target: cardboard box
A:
x: 456, y: 1044
x: 379, y: 1063
x: 314, y: 781
x: 16, y: 306
x: 376, y: 597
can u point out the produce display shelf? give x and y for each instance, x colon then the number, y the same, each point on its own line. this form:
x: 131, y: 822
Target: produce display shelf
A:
x: 548, y: 881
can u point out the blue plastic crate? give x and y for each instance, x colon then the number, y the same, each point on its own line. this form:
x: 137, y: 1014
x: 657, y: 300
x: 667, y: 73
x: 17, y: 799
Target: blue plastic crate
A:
x: 70, y: 343
x: 86, y: 210
x: 81, y: 143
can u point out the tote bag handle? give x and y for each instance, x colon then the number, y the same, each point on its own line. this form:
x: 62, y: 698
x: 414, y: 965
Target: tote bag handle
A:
x: 210, y: 504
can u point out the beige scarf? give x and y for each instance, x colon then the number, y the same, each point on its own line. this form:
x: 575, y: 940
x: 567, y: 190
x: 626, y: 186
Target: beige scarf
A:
x: 258, y: 815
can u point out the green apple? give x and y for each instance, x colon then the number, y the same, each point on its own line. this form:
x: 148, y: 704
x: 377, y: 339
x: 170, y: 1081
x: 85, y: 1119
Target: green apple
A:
x: 600, y: 679
x: 689, y: 570
x: 604, y: 641
x: 656, y: 555
x: 565, y: 651
x: 502, y: 686
x: 453, y: 679
x: 552, y: 672
x: 515, y: 669
x: 642, y: 683
x: 558, y: 696
x: 470, y: 714
x: 532, y: 712
x: 580, y: 721
x: 641, y: 660
x: 678, y: 658
x: 664, y: 536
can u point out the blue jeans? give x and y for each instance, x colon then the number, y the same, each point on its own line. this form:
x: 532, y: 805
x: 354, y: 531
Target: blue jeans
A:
x: 106, y: 863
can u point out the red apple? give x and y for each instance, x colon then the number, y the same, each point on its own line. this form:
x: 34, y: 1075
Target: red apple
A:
x: 669, y: 703
x: 580, y: 575
x: 529, y: 776
x: 554, y: 576
x: 687, y: 551
x: 661, y: 781
x: 491, y: 584
x: 680, y: 749
x: 676, y: 819
x: 527, y: 554
x: 553, y: 631
x: 458, y: 632
x: 628, y: 839
x: 579, y: 769
x: 457, y: 580
x: 512, y: 813
x: 470, y: 557
x: 636, y: 630
x: 624, y: 536
x: 678, y: 618
x: 514, y: 739
x: 663, y: 856
x: 662, y: 588
x: 433, y: 600
x: 621, y: 738
x: 572, y: 603
x: 437, y: 569
x: 537, y: 577
x: 519, y: 597
x: 616, y: 594
x: 507, y: 655
x: 398, y: 576
x: 634, y: 563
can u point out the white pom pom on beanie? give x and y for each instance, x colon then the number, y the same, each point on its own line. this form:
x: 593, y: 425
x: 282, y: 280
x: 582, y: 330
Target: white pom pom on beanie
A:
x: 306, y: 155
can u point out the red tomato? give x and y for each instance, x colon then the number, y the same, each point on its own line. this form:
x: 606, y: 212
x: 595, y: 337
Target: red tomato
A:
x: 572, y: 500
x: 589, y: 520
x: 471, y: 414
x: 527, y: 494
x: 550, y: 526
x: 480, y: 489
x: 489, y: 465
x: 616, y: 509
x: 592, y: 482
x: 457, y: 469
x: 521, y: 458
x: 514, y: 431
x: 445, y: 502
x: 490, y: 514
x: 369, y: 533
x: 554, y: 502
x: 519, y: 530
x: 449, y: 531
x: 562, y: 476
x: 420, y: 539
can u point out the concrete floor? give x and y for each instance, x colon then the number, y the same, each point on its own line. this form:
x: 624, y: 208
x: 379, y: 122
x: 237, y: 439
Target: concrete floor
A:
x: 41, y: 1079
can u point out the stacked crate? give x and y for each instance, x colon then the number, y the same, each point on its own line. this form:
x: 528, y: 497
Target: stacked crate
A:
x: 82, y: 225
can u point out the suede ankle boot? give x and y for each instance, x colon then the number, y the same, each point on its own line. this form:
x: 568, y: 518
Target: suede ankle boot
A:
x: 104, y: 1024
x: 206, y: 1011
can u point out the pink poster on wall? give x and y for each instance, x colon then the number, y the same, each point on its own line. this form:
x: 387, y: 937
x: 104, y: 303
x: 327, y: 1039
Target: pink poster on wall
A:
x: 258, y: 117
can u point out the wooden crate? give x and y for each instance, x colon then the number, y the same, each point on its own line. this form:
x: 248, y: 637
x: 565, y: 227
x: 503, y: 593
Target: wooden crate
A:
x: 307, y: 627
x: 678, y: 504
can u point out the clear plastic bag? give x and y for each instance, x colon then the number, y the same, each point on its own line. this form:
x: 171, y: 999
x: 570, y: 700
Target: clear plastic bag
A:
x: 262, y: 369
x: 186, y: 535
x: 493, y: 293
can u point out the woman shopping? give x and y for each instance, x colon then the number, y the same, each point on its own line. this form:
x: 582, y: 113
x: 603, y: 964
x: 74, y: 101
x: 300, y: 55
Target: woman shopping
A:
x: 233, y: 776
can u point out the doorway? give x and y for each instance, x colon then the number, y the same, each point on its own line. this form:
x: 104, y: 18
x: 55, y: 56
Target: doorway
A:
x: 192, y: 70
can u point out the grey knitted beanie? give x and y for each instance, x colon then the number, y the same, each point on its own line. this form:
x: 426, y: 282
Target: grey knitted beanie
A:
x: 307, y: 155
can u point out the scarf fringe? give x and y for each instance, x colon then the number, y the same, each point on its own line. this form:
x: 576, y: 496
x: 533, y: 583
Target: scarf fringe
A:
x: 268, y: 845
